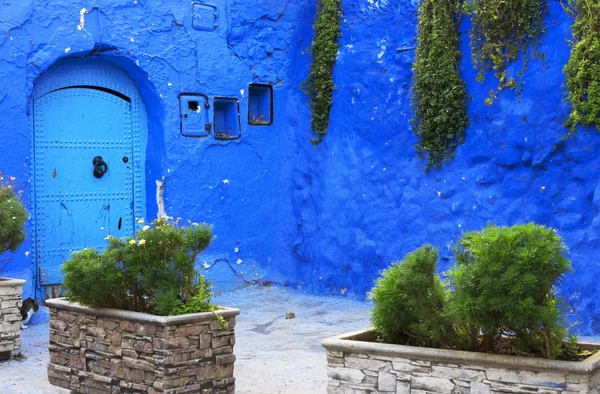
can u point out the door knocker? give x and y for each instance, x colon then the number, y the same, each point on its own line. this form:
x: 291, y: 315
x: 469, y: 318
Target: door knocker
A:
x: 100, y: 167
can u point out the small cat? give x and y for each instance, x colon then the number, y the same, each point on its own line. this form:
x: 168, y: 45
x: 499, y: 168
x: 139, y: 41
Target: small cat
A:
x: 30, y: 306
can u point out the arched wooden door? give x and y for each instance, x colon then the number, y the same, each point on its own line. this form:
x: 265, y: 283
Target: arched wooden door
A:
x: 89, y: 129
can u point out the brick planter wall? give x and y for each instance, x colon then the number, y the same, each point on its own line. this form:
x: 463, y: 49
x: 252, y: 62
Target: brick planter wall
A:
x: 10, y: 316
x: 357, y: 365
x: 95, y: 350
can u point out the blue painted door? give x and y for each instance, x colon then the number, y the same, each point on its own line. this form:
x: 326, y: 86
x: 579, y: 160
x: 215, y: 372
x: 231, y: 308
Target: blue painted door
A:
x: 84, y: 160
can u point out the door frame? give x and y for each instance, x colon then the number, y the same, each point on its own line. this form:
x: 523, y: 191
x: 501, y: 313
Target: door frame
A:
x: 70, y: 72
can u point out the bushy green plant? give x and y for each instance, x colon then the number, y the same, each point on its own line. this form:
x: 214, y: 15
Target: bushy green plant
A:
x: 409, y: 301
x: 12, y: 218
x: 319, y: 85
x: 439, y: 96
x: 583, y: 69
x: 500, y: 296
x: 153, y: 272
x: 503, y: 288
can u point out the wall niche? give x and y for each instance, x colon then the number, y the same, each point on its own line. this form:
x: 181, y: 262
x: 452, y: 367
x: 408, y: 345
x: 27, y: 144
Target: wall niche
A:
x: 226, y: 118
x: 260, y: 105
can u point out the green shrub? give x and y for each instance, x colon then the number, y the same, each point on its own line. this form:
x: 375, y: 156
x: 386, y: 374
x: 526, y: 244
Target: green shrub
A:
x: 500, y: 296
x: 409, y: 301
x: 503, y: 289
x: 154, y: 272
x: 12, y: 218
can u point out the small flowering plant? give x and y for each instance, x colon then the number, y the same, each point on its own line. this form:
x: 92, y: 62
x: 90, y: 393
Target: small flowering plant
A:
x: 12, y: 216
x: 153, y: 272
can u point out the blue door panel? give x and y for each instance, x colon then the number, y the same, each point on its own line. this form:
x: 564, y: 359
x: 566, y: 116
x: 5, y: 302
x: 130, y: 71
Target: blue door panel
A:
x: 73, y: 208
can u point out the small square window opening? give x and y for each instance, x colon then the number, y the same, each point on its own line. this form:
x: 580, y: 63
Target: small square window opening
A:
x: 260, y: 105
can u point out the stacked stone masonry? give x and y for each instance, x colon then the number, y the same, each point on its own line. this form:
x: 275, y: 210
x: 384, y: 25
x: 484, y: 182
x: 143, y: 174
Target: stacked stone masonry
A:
x: 93, y: 354
x: 10, y: 316
x: 355, y: 373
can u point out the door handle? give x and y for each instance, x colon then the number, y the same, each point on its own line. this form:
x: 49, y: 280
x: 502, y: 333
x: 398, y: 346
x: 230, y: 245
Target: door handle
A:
x: 100, y: 167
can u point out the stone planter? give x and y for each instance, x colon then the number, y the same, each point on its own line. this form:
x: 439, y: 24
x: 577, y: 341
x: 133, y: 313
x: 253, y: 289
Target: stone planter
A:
x: 96, y: 350
x: 11, y: 291
x: 358, y: 365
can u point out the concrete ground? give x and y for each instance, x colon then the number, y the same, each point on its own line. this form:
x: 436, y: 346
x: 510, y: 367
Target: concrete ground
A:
x: 274, y: 354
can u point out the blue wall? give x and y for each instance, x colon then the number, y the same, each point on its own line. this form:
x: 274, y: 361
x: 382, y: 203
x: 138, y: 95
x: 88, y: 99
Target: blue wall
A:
x: 361, y: 199
x: 231, y: 185
x: 325, y: 219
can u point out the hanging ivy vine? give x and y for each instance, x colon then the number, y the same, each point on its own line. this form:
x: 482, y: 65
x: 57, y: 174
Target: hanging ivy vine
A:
x: 583, y: 69
x: 319, y: 85
x: 501, y: 31
x: 439, y: 94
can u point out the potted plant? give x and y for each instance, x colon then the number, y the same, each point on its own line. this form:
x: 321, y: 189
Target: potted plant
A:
x: 12, y: 234
x: 138, y: 318
x: 496, y: 326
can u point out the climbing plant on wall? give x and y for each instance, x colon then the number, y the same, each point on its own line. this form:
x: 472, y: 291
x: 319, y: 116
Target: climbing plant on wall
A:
x: 439, y: 95
x: 501, y: 31
x: 319, y: 85
x: 583, y: 69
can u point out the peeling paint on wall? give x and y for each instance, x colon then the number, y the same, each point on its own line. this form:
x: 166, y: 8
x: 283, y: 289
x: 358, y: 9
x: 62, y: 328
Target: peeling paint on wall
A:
x: 160, y: 200
x: 82, y: 19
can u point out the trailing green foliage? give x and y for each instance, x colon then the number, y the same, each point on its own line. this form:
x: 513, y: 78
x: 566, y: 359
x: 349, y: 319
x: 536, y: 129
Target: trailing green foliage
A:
x: 409, y: 301
x: 583, y: 69
x: 319, y: 85
x: 152, y: 273
x: 12, y: 218
x: 439, y: 94
x: 500, y: 299
x: 503, y: 288
x: 501, y: 31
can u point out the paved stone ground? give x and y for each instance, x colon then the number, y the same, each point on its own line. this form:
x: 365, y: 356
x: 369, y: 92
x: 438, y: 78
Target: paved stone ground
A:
x: 274, y: 354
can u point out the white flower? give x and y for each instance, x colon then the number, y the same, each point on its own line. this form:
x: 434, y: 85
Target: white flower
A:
x: 141, y: 220
x: 145, y: 228
x: 142, y: 241
x: 132, y: 242
x: 107, y: 237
